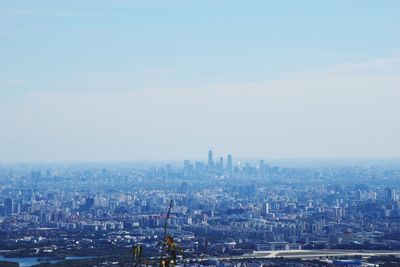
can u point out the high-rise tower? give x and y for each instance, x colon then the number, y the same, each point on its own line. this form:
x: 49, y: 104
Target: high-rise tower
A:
x: 229, y: 164
x: 8, y: 206
x: 210, y: 160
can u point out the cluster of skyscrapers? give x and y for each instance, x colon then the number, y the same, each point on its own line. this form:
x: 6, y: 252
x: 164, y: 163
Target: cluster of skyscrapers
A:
x: 219, y: 166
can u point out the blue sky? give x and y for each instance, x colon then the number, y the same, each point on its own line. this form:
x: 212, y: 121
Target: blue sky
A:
x: 255, y: 78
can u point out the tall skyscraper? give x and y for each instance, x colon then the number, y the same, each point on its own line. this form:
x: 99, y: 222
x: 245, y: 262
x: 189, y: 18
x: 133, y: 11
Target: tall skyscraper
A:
x: 264, y: 209
x: 229, y: 164
x: 390, y: 194
x: 210, y: 160
x: 8, y: 206
x: 221, y: 163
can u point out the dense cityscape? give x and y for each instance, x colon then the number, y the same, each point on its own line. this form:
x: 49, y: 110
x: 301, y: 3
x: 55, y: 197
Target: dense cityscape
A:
x: 177, y: 133
x: 220, y: 211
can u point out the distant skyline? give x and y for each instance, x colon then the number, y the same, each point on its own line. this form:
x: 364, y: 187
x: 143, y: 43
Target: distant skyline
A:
x: 168, y: 80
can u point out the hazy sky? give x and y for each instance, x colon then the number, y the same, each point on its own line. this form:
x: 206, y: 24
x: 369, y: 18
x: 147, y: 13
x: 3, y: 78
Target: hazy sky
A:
x: 127, y: 80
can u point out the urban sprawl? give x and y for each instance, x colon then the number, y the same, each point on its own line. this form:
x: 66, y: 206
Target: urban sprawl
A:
x: 220, y: 211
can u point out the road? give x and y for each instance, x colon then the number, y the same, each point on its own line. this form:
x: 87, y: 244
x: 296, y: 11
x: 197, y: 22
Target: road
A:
x: 317, y: 254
